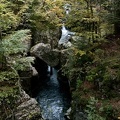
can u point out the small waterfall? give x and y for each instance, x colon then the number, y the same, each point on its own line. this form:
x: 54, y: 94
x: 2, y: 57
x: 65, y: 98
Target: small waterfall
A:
x: 66, y: 35
x: 67, y: 8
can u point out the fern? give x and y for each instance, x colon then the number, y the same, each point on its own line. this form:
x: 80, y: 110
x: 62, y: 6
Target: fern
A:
x: 16, y: 42
x: 23, y: 63
x: 16, y: 45
x: 7, y: 75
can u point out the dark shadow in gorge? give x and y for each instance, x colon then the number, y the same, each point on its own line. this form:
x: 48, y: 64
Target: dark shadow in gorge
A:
x: 39, y: 79
x: 51, y: 90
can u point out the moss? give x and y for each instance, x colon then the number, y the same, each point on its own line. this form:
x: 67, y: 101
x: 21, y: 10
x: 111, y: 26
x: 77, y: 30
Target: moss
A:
x: 35, y: 116
x: 8, y: 92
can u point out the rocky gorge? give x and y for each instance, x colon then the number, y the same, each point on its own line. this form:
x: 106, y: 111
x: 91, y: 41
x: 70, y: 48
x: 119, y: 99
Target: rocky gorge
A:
x: 48, y: 72
x: 30, y: 78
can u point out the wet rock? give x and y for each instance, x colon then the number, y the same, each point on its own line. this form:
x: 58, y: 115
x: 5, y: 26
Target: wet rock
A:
x: 26, y: 78
x: 78, y: 114
x: 35, y: 73
x: 67, y: 114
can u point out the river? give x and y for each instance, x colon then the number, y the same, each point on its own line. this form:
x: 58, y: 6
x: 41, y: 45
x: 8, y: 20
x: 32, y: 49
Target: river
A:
x: 53, y: 99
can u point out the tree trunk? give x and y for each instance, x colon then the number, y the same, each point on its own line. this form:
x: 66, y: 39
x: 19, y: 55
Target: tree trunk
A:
x: 117, y: 17
x: 116, y: 28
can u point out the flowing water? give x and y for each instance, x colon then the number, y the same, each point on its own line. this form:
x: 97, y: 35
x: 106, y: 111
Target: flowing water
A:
x: 53, y: 100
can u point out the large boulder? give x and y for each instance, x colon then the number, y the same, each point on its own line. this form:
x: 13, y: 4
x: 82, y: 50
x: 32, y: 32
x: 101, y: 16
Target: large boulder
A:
x: 45, y: 53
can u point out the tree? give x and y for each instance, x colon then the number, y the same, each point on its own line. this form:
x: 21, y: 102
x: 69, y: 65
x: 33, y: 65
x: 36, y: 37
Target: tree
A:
x: 10, y: 20
x: 116, y: 15
x: 13, y: 49
x: 46, y: 14
x: 113, y: 13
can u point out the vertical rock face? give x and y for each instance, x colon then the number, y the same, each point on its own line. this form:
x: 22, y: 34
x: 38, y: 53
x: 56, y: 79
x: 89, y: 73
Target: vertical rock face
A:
x: 36, y: 80
x: 25, y: 80
x: 28, y: 108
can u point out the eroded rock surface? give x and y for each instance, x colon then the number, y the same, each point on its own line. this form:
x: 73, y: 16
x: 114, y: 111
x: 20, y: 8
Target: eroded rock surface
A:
x: 28, y: 109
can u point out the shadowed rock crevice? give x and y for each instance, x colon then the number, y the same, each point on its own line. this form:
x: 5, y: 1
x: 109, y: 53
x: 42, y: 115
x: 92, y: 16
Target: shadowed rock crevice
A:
x: 37, y: 79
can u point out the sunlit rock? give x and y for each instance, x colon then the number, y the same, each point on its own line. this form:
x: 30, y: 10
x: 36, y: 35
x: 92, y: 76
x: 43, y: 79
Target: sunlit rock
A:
x: 45, y: 53
x: 34, y: 71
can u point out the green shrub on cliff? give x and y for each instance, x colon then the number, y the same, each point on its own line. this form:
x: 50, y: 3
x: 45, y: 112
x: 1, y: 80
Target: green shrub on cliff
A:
x: 16, y: 43
x: 14, y: 48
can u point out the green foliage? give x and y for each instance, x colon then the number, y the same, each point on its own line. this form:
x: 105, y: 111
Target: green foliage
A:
x: 92, y: 110
x: 8, y: 92
x: 7, y: 18
x: 8, y: 87
x: 46, y: 14
x: 78, y: 60
x: 108, y: 111
x: 92, y: 59
x: 113, y: 15
x: 8, y: 99
x: 79, y: 83
x: 12, y: 47
x: 89, y: 18
x: 13, y: 14
x: 104, y: 71
x: 99, y: 111
x: 86, y: 60
x: 15, y: 43
x: 7, y: 75
x: 23, y: 63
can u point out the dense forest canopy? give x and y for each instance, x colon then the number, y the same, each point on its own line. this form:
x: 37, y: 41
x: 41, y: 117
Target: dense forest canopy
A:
x: 94, y: 58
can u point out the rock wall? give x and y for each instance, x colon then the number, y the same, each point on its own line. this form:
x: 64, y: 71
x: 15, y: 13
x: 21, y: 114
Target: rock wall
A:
x: 28, y: 108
